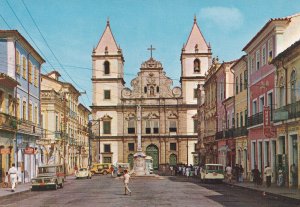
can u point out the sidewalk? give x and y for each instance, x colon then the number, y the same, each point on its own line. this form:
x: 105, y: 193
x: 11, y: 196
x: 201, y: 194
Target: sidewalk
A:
x: 22, y: 188
x: 293, y: 193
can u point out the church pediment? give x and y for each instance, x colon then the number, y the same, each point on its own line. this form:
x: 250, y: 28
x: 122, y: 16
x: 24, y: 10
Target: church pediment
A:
x: 151, y: 83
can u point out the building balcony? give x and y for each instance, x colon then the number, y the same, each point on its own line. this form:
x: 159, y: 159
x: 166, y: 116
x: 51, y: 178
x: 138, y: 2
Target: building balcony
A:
x: 57, y: 135
x: 241, y: 131
x: 219, y: 135
x: 28, y: 127
x: 229, y: 133
x: 255, y: 119
x: 290, y: 111
x: 8, y: 122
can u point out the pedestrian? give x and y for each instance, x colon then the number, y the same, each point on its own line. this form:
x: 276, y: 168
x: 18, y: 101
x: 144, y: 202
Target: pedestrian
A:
x: 183, y: 170
x: 255, y: 174
x: 75, y: 169
x: 112, y: 169
x: 5, y: 184
x: 179, y: 170
x: 126, y: 182
x: 280, y: 181
x: 187, y: 172
x: 293, y: 174
x: 13, y: 177
x: 228, y: 173
x: 175, y: 170
x: 268, y: 173
x: 196, y: 170
x: 171, y: 169
x: 241, y: 179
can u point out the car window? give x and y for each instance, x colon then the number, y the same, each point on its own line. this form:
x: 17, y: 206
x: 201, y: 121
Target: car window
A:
x: 82, y: 169
x: 47, y: 169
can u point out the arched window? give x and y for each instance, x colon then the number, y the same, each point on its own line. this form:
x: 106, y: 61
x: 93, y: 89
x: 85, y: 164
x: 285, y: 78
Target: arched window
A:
x: 197, y: 65
x: 106, y: 68
x: 151, y: 90
x: 293, y: 86
x: 281, y: 92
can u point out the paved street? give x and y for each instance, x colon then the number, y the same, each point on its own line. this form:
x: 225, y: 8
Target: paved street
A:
x: 168, y: 191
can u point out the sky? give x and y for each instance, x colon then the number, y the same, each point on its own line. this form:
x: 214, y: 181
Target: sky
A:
x: 73, y: 27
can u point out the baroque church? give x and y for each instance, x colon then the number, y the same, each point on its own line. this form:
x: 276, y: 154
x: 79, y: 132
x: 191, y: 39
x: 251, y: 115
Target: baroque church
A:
x: 168, y: 114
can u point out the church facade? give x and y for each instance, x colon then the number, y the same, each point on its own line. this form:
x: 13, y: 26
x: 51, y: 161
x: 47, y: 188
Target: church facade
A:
x: 168, y: 114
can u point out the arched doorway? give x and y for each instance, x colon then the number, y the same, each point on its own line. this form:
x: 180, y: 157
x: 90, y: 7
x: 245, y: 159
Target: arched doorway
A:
x: 173, y: 160
x: 152, y: 151
x: 130, y: 160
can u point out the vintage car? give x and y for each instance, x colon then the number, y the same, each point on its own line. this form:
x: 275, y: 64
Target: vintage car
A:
x: 100, y: 168
x: 122, y: 167
x: 49, y: 176
x: 212, y: 172
x: 83, y: 173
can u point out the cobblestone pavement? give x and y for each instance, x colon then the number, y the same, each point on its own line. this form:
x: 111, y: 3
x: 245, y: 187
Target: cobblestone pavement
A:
x: 146, y: 192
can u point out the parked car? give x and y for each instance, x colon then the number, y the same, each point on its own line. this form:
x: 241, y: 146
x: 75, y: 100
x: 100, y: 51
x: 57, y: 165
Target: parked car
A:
x: 49, y: 176
x: 212, y: 172
x: 83, y: 173
x: 100, y: 168
x: 122, y: 167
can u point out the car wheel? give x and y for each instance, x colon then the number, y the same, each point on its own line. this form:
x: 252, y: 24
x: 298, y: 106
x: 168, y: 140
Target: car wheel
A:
x: 56, y: 186
x: 104, y: 173
x: 62, y: 184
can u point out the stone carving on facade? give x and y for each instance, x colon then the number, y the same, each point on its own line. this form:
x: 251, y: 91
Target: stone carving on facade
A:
x: 152, y: 82
x: 152, y: 115
x: 106, y: 117
x: 172, y: 115
x: 130, y: 116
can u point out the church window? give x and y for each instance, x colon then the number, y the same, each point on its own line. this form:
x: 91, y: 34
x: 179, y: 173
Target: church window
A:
x: 107, y: 127
x: 131, y: 146
x: 152, y: 91
x: 172, y: 126
x: 106, y: 68
x: 131, y: 126
x: 197, y: 65
x: 157, y: 89
x: 195, y: 126
x: 106, y: 94
x: 195, y: 93
x: 145, y: 89
x: 155, y: 127
x: 148, y: 127
x: 107, y: 148
x: 173, y: 146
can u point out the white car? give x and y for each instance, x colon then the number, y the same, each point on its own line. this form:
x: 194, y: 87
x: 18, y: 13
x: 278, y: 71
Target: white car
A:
x: 83, y: 173
x: 212, y: 172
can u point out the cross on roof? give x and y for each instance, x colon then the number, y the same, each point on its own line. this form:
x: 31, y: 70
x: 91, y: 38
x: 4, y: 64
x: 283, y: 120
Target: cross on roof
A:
x: 151, y: 48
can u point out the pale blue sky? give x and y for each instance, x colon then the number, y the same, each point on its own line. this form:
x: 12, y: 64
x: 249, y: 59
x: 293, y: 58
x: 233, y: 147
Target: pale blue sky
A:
x: 73, y: 27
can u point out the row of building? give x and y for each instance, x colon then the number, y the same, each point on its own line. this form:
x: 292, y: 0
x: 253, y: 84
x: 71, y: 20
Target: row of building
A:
x: 251, y: 109
x: 41, y: 119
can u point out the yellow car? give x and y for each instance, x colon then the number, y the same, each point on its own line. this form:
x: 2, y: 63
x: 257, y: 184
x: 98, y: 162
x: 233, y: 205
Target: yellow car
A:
x: 101, y: 168
x: 83, y: 173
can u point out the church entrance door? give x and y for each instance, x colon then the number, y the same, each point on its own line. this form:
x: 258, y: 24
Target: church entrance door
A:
x: 152, y: 151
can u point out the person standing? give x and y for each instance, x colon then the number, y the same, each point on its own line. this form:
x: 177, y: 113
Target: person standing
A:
x: 294, y: 174
x: 112, y: 169
x: 255, y: 173
x: 171, y: 169
x: 268, y: 173
x: 126, y: 182
x: 237, y: 172
x: 75, y: 169
x: 241, y: 179
x: 229, y: 173
x: 187, y: 171
x: 13, y: 177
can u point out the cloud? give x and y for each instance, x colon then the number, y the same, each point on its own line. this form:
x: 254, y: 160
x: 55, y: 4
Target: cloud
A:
x: 225, y: 18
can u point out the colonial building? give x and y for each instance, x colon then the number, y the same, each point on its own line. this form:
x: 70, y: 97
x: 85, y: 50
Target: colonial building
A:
x: 65, y: 120
x: 169, y: 114
x: 241, y: 113
x: 8, y: 122
x: 23, y: 63
x: 275, y: 36
x: 287, y: 112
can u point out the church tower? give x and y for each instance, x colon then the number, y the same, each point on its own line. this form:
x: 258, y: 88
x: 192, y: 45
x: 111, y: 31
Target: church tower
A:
x: 108, y: 82
x: 195, y: 60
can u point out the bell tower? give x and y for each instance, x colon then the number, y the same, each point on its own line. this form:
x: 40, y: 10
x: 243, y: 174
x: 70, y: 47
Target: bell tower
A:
x: 195, y: 60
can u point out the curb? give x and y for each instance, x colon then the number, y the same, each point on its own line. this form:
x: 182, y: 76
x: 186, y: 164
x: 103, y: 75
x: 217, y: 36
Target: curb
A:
x: 297, y: 201
x: 15, y: 194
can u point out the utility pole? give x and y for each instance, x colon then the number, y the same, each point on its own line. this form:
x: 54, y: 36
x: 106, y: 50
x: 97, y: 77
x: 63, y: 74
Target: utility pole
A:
x: 90, y: 137
x: 64, y: 131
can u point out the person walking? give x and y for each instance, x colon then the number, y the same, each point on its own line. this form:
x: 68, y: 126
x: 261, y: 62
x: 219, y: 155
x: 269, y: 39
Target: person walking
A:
x: 229, y: 173
x: 112, y: 170
x: 187, y: 171
x: 126, y: 182
x: 13, y: 177
x: 236, y: 172
x: 241, y: 178
x: 255, y: 174
x: 75, y: 169
x: 268, y: 173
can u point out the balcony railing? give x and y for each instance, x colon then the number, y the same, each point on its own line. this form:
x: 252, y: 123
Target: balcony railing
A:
x: 8, y: 122
x: 219, y: 135
x: 255, y: 119
x: 286, y: 112
x: 57, y: 134
x: 241, y: 131
x: 229, y: 133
